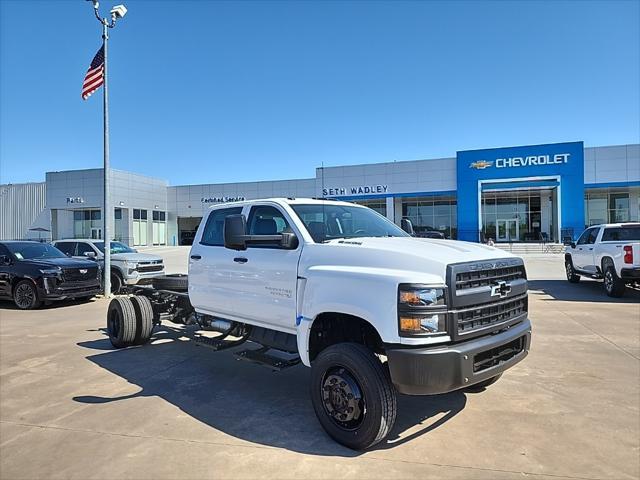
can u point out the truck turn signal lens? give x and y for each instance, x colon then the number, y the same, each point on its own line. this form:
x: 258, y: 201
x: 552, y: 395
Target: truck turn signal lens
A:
x: 410, y: 324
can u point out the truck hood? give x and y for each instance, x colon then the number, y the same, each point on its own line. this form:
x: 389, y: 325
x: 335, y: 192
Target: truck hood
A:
x: 61, y: 262
x: 419, y: 258
x: 135, y: 257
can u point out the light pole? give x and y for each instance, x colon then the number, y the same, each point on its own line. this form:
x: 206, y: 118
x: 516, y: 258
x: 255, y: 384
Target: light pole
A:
x: 119, y: 11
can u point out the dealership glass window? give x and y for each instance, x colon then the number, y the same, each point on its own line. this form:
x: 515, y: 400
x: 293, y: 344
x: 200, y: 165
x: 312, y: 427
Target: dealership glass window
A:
x: 139, y: 227
x: 87, y: 224
x: 515, y: 216
x: 159, y: 228
x: 604, y: 206
x: 379, y: 205
x: 432, y: 213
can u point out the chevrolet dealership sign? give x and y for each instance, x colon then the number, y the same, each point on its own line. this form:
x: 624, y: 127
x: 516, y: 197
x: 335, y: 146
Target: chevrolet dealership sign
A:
x: 531, y: 160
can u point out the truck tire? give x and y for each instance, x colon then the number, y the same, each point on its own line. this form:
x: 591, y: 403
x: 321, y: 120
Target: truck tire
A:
x: 572, y: 276
x: 613, y: 285
x: 116, y: 282
x: 121, y: 322
x: 479, y: 387
x: 177, y: 282
x: 144, y: 319
x: 25, y: 295
x: 352, y: 395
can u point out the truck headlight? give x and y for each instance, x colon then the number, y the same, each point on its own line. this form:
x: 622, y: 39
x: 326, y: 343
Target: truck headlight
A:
x: 422, y: 310
x: 51, y: 272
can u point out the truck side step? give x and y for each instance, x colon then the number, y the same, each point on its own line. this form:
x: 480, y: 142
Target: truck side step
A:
x: 261, y: 357
x: 215, y: 343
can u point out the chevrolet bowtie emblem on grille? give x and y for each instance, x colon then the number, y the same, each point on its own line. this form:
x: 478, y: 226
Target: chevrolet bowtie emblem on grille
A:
x: 84, y: 270
x: 500, y: 289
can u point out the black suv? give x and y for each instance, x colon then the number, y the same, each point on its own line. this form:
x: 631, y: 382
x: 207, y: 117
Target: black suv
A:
x: 33, y: 272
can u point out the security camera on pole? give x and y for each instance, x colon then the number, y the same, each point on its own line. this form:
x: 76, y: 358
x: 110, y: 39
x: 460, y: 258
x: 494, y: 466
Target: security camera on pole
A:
x: 97, y: 76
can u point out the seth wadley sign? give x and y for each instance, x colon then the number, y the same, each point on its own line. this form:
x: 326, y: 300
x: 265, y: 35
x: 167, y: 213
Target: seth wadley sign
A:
x: 356, y: 190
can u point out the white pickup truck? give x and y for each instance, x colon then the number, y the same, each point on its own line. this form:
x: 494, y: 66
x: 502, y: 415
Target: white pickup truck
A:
x: 610, y: 252
x: 343, y: 290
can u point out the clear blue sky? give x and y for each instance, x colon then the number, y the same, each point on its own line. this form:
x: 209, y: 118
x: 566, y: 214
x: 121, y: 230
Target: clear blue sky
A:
x: 235, y: 91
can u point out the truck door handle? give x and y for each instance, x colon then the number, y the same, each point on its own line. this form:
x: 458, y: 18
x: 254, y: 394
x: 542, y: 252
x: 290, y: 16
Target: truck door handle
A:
x: 241, y: 260
x: 196, y: 257
x: 591, y: 248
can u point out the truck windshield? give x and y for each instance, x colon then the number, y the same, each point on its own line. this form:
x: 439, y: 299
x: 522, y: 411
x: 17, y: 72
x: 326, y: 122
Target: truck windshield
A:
x: 116, y: 247
x: 327, y: 222
x: 33, y: 250
x: 621, y: 234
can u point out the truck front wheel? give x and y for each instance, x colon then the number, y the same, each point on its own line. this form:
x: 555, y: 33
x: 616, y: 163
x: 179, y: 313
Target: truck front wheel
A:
x: 352, y: 395
x: 572, y: 276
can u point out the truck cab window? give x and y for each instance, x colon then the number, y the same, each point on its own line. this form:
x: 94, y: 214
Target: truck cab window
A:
x: 213, y: 230
x: 266, y: 220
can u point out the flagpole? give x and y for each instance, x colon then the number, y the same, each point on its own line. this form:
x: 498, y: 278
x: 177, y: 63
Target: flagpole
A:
x: 107, y: 204
x: 119, y: 11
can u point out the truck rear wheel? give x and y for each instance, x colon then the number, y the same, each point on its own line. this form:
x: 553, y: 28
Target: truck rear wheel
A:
x: 121, y: 322
x: 177, y: 282
x: 613, y: 285
x: 144, y: 319
x: 352, y: 395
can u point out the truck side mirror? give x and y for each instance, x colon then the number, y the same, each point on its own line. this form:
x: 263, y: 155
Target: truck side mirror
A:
x: 572, y: 244
x: 235, y: 232
x: 406, y: 225
x: 289, y: 241
x: 90, y: 254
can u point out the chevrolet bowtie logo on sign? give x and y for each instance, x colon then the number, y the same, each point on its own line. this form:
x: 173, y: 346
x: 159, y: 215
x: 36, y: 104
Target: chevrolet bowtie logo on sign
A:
x: 500, y: 289
x: 480, y: 164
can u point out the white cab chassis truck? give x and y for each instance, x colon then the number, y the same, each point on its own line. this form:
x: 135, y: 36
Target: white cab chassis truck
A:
x: 341, y: 289
x: 609, y: 252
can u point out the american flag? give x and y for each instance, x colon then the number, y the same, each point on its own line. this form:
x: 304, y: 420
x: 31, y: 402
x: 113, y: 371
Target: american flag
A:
x: 95, y: 75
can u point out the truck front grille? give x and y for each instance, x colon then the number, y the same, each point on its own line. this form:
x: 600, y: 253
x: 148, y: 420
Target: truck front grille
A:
x: 496, y: 356
x: 80, y: 274
x: 477, y: 317
x: 150, y: 268
x: 486, y: 296
x: 481, y: 278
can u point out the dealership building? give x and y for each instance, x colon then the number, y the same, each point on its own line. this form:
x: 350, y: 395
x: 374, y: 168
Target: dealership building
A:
x: 529, y: 193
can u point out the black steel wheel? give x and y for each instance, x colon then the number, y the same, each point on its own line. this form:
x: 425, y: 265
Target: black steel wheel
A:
x: 352, y: 395
x: 572, y: 276
x: 613, y: 285
x: 25, y: 295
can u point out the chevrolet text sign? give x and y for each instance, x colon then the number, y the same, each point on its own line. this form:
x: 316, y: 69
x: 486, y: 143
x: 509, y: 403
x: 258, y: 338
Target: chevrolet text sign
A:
x: 508, y: 162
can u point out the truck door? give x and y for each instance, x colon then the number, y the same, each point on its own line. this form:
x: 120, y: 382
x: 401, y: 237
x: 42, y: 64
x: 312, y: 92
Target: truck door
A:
x: 582, y: 256
x: 210, y: 266
x: 267, y: 275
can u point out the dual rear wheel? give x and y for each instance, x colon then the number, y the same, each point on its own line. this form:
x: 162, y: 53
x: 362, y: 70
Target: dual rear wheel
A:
x: 129, y: 321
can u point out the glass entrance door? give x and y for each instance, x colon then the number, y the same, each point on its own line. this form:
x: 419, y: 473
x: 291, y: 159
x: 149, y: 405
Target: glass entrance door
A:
x: 96, y: 233
x: 508, y: 230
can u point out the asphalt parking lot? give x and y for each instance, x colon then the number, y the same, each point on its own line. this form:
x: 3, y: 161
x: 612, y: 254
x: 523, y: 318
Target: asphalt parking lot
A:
x: 72, y: 407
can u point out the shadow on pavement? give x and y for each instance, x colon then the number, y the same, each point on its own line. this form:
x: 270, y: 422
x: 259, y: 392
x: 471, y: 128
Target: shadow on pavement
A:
x: 10, y: 305
x: 245, y: 400
x: 585, y: 291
